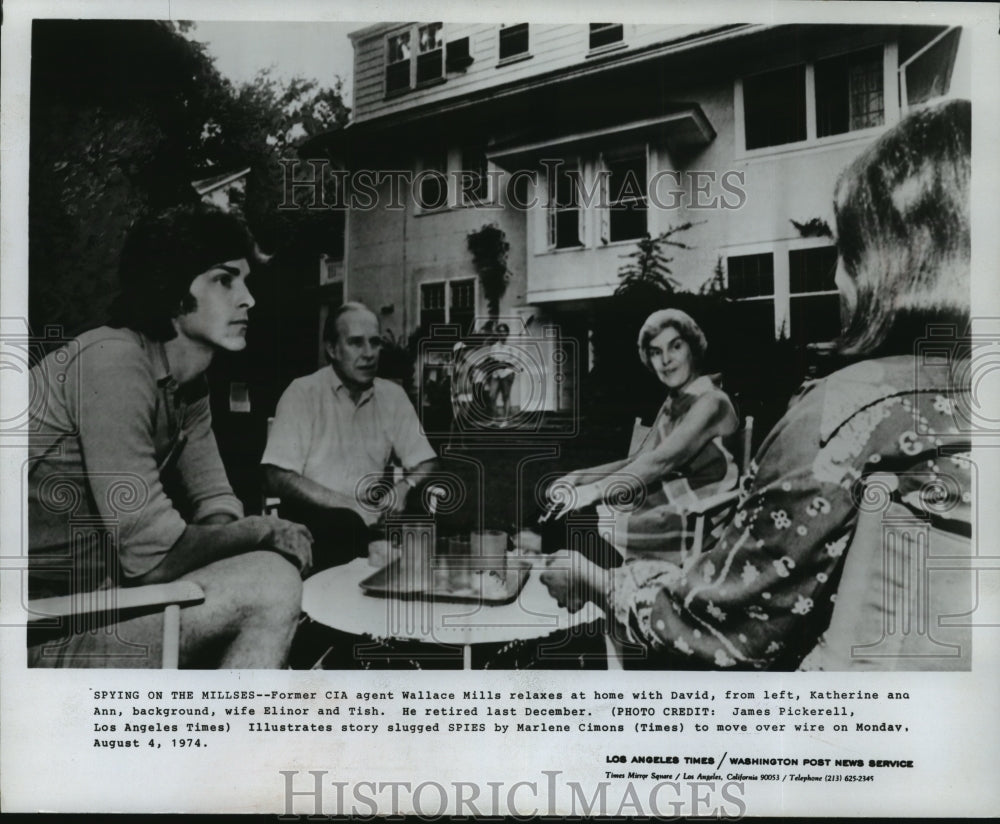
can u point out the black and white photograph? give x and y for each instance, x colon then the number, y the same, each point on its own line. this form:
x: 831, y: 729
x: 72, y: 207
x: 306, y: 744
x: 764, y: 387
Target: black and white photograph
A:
x: 486, y: 417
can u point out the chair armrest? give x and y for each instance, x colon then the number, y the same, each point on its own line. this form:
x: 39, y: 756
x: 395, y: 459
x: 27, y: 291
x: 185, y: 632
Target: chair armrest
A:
x: 706, y: 505
x: 121, y: 598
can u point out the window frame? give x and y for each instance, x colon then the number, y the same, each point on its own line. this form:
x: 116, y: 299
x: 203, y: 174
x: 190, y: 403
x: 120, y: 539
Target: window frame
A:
x: 552, y: 207
x: 792, y: 296
x: 604, y: 161
x: 890, y: 103
x: 389, y: 62
x: 461, y: 199
x: 422, y: 174
x: 782, y: 296
x: 593, y: 197
x: 596, y: 28
x: 447, y: 284
x: 750, y: 251
x: 504, y: 60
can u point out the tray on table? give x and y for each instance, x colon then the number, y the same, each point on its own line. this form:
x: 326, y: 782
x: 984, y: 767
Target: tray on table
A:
x: 486, y: 587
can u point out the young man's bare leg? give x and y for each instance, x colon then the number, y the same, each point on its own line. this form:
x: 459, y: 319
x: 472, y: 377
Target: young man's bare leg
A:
x: 251, y: 609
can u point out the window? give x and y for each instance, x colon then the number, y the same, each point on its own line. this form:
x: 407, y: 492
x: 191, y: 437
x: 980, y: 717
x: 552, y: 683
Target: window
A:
x: 849, y: 93
x: 774, y: 107
x: 397, y: 66
x: 449, y: 302
x: 430, y: 52
x: 814, y: 304
x: 513, y: 41
x: 926, y: 72
x: 433, y: 305
x: 401, y: 71
x: 462, y: 305
x: 790, y: 292
x: 564, y: 213
x: 475, y: 180
x: 751, y: 284
x: 605, y: 34
x: 627, y: 198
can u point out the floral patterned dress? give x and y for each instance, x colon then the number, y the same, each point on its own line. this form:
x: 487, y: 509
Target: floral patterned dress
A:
x: 763, y: 593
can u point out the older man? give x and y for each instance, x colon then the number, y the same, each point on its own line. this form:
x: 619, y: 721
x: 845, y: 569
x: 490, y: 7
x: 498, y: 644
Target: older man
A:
x: 336, y: 428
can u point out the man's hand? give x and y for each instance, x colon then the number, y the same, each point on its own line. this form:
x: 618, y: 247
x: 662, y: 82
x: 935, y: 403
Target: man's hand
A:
x: 287, y: 538
x: 391, y: 502
x: 396, y: 504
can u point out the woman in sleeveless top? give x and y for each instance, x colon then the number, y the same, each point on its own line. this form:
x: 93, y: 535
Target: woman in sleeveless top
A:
x: 680, y: 459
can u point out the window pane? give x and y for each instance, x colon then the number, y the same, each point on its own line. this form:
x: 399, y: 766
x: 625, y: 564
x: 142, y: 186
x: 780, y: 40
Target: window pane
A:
x: 628, y: 222
x: 567, y: 228
x: 849, y: 92
x: 627, y: 180
x: 430, y: 66
x: 564, y: 212
x: 431, y: 37
x: 603, y: 34
x: 513, y: 40
x: 397, y: 76
x: 774, y: 107
x: 430, y: 52
x: 463, y: 305
x: 463, y: 294
x: 432, y: 296
x: 474, y: 163
x: 813, y: 270
x: 627, y: 197
x: 930, y: 74
x: 399, y: 47
x: 433, y: 191
x: 751, y: 275
x: 815, y: 318
x: 564, y: 186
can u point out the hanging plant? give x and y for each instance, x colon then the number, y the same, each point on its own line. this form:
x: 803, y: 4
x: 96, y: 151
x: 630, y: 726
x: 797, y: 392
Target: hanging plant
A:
x: 489, y: 247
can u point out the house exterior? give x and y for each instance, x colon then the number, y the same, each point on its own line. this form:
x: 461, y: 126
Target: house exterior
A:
x: 577, y: 140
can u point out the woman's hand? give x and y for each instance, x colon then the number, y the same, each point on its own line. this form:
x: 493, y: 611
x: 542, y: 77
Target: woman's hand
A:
x: 587, y: 495
x: 569, y: 493
x: 573, y: 580
x: 570, y: 479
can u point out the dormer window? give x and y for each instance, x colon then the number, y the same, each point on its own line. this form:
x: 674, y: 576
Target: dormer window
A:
x: 605, y: 34
x: 513, y: 41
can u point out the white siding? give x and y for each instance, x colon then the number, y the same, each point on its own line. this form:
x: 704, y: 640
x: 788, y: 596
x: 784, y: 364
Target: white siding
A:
x: 552, y: 47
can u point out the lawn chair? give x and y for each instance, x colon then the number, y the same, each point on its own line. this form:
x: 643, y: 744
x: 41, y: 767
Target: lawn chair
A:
x: 170, y: 597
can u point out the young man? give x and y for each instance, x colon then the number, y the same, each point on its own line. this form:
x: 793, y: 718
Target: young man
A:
x: 337, y: 427
x: 126, y: 485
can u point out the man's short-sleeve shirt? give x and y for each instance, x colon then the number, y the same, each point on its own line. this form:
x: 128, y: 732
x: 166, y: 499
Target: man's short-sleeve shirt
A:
x: 321, y: 434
